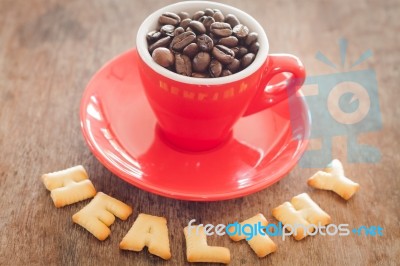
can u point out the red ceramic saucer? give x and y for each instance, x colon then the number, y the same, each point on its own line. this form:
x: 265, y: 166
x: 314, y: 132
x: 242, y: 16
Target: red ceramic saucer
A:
x: 120, y: 129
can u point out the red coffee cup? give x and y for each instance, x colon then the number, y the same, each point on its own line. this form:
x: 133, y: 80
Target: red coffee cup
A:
x: 198, y: 114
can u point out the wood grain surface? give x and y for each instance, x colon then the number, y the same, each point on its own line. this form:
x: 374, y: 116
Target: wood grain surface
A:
x: 50, y: 49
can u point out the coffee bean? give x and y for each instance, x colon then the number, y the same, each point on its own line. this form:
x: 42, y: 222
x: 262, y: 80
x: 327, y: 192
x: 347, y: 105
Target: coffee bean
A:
x: 215, y: 68
x: 247, y: 60
x: 205, y: 43
x: 191, y: 50
x: 225, y: 73
x: 218, y: 16
x: 221, y: 29
x: 183, y: 15
x: 182, y: 40
x: 202, y: 19
x: 169, y: 18
x: 207, y: 21
x: 201, y: 62
x: 254, y: 47
x: 230, y: 41
x: 223, y: 54
x: 208, y: 12
x: 240, y: 31
x: 163, y: 56
x: 200, y: 75
x: 234, y: 66
x: 198, y: 15
x: 197, y: 27
x: 167, y: 30
x: 178, y: 31
x: 183, y: 65
x: 185, y: 23
x: 214, y: 37
x: 153, y: 36
x: 232, y: 20
x: 164, y: 42
x: 251, y: 38
x: 240, y: 51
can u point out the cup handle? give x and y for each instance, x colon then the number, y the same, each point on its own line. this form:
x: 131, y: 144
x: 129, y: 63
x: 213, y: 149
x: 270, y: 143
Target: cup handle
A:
x: 269, y: 95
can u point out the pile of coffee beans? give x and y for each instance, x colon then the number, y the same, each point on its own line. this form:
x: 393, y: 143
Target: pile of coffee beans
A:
x: 205, y: 45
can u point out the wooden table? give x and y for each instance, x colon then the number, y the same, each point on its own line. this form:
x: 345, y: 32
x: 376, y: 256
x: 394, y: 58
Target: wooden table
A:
x: 50, y: 49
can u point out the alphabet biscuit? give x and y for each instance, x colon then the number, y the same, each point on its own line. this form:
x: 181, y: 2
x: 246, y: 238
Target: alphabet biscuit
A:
x: 299, y: 214
x: 98, y: 215
x: 197, y: 249
x: 150, y: 231
x: 333, y: 179
x: 69, y: 186
x: 262, y: 245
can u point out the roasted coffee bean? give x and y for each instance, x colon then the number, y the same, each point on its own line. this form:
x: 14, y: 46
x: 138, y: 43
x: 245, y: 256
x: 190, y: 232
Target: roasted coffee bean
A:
x: 185, y: 23
x: 202, y: 18
x: 153, y: 36
x: 254, y: 47
x: 163, y: 42
x: 167, y: 30
x: 191, y: 50
x: 201, y: 62
x: 225, y: 73
x: 247, y: 60
x: 163, y: 56
x: 183, y: 15
x: 223, y: 54
x: 240, y: 51
x: 218, y: 16
x: 200, y: 75
x: 178, y: 31
x: 235, y: 50
x: 208, y: 12
x: 182, y: 40
x: 205, y: 43
x: 221, y: 29
x: 215, y: 68
x: 197, y: 27
x: 169, y: 18
x: 232, y: 20
x: 198, y: 15
x: 234, y: 66
x: 251, y: 38
x: 183, y: 65
x: 240, y: 31
x: 230, y: 41
x: 207, y: 21
x: 214, y: 37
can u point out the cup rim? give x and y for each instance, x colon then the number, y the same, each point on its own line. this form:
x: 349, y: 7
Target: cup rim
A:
x: 149, y: 24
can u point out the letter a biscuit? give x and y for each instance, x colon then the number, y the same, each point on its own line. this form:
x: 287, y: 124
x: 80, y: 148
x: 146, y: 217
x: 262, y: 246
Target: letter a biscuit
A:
x: 150, y: 231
